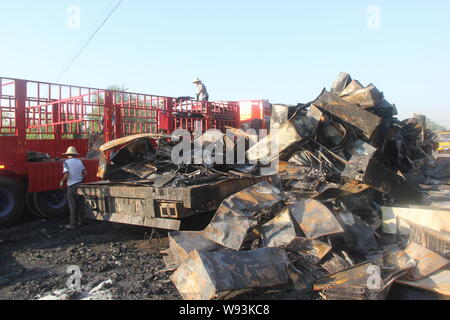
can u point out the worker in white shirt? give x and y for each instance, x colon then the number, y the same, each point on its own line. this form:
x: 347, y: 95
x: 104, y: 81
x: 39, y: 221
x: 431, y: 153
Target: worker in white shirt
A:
x: 202, y: 93
x: 74, y: 174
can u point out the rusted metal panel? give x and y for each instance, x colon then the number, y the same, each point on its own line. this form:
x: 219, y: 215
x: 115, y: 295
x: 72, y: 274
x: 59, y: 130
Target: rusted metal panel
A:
x: 207, y: 275
x: 315, y: 219
x: 289, y: 133
x: 270, y: 147
x: 118, y: 142
x: 136, y: 220
x: 366, y: 98
x: 110, y: 200
x: 236, y: 216
x: 315, y: 248
x: 355, y: 276
x: 279, y: 231
x: 369, y: 171
x: 353, y: 86
x: 358, y: 282
x: 428, y: 261
x: 351, y: 114
x: 184, y: 242
x: 438, y: 282
x: 342, y: 81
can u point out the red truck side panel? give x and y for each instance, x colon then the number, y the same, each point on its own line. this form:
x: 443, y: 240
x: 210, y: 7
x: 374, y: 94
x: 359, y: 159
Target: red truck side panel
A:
x: 45, y: 176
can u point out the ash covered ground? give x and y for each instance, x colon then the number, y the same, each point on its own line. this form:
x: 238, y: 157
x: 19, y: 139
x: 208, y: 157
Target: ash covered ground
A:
x: 35, y: 255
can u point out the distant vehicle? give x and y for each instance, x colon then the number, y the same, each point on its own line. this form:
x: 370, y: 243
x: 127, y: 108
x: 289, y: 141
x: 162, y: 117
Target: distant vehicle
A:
x: 444, y: 142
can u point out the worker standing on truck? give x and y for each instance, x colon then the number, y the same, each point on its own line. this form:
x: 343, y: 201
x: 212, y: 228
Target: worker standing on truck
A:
x: 202, y: 93
x: 74, y: 173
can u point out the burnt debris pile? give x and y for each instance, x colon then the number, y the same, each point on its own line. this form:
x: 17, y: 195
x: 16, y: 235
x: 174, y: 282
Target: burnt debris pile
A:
x: 349, y: 201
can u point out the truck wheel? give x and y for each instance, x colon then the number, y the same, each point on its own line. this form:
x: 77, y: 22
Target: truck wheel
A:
x: 51, y: 204
x: 11, y: 201
x: 31, y: 207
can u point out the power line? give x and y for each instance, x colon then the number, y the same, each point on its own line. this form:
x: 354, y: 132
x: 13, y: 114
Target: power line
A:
x: 90, y: 39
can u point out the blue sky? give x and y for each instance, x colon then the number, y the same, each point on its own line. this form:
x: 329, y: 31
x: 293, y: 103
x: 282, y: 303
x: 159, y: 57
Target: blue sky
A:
x: 284, y: 51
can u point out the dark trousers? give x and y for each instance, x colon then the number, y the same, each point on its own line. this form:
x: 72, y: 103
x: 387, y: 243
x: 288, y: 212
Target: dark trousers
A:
x: 75, y: 206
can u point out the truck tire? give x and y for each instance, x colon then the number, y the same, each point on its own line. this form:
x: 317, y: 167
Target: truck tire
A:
x: 51, y: 204
x: 11, y: 201
x: 31, y: 207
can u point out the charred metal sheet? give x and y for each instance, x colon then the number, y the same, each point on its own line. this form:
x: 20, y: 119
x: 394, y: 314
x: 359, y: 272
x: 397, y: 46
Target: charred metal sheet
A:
x: 342, y: 81
x: 396, y: 260
x: 184, y: 242
x: 415, y: 177
x: 353, y: 86
x: 366, y: 98
x: 289, y: 171
x: 208, y: 275
x: 163, y: 180
x: 351, y: 114
x: 280, y: 231
x: 142, y: 170
x: 296, y: 129
x: 236, y: 216
x: 369, y: 171
x: 315, y: 248
x: 360, y: 148
x: 428, y: 261
x: 362, y: 278
x: 315, y: 219
x: 242, y: 134
x: 438, y: 282
x: 358, y: 201
x: 277, y: 141
x: 356, y: 276
x: 334, y: 134
x: 118, y: 142
x: 331, y: 191
x: 359, y: 238
x: 335, y: 264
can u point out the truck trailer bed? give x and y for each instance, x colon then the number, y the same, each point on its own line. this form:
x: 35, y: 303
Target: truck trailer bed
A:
x: 135, y: 203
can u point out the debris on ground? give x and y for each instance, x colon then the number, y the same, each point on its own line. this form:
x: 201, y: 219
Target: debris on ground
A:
x: 99, y: 292
x: 353, y: 212
x: 209, y: 275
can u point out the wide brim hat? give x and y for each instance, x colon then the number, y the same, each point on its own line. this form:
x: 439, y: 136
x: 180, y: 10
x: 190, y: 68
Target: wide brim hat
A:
x: 71, y: 151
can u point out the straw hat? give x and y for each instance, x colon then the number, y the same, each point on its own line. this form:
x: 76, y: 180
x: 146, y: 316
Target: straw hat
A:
x: 71, y: 151
x: 197, y: 80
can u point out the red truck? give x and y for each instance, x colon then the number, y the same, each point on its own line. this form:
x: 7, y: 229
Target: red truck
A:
x: 40, y: 120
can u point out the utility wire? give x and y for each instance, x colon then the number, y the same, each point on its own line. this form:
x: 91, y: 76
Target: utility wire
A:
x: 90, y: 39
